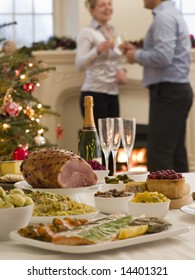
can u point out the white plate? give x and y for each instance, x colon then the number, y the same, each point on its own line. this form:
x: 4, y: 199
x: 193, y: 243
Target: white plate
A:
x: 62, y: 191
x: 49, y: 219
x: 189, y: 209
x: 82, y: 249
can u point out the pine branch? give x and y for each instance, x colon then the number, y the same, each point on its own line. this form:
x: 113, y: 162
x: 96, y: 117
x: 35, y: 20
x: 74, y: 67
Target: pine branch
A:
x: 7, y: 24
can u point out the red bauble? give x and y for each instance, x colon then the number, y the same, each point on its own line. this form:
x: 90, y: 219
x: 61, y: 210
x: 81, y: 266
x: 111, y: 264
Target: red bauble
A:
x: 20, y: 153
x: 59, y: 131
x: 29, y: 87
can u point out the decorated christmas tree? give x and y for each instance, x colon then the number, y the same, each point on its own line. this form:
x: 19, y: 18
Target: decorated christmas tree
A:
x: 20, y: 112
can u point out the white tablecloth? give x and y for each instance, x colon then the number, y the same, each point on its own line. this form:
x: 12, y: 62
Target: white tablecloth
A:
x: 175, y: 248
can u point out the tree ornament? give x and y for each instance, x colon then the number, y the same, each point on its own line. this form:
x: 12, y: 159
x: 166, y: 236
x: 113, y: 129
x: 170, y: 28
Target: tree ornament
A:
x: 20, y: 153
x: 39, y: 140
x: 11, y: 109
x: 59, y: 131
x: 29, y: 112
x: 29, y: 87
x: 9, y: 47
x: 18, y: 71
x: 8, y: 95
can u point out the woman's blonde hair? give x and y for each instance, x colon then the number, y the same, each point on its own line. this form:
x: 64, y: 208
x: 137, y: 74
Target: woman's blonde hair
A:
x: 90, y: 4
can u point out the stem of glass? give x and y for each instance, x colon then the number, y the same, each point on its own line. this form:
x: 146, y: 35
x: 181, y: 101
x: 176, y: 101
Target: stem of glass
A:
x: 114, y: 153
x: 106, y: 156
x: 128, y: 152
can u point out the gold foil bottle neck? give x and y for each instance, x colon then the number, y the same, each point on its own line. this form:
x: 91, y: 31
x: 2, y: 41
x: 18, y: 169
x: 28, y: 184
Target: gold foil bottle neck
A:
x: 88, y: 101
x: 88, y: 116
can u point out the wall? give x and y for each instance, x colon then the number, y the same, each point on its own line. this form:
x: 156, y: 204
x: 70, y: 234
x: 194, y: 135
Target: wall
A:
x: 129, y: 16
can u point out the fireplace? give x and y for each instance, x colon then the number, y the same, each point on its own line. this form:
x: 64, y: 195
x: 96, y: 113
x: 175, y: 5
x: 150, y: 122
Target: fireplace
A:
x: 139, y: 152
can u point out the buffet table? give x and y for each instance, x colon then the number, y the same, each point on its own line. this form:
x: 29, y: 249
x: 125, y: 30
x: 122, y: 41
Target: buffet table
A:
x: 179, y: 247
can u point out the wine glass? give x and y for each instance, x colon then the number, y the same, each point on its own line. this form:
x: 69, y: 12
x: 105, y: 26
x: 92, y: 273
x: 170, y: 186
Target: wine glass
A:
x: 105, y: 127
x: 128, y: 137
x: 116, y: 139
x: 120, y: 40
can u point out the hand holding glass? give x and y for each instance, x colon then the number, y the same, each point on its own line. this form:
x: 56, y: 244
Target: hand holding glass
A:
x: 118, y: 42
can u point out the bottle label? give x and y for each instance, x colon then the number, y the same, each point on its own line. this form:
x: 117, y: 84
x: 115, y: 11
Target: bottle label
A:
x: 89, y: 128
x: 89, y: 146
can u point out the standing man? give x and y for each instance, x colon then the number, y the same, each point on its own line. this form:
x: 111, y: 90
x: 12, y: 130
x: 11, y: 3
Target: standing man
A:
x: 166, y: 61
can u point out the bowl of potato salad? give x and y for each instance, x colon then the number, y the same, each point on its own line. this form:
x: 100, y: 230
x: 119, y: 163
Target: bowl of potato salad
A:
x: 15, y: 211
x: 149, y: 204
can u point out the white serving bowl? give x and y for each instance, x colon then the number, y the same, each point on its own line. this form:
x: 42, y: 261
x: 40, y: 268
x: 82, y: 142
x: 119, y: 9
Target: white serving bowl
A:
x: 106, y: 187
x: 153, y: 209
x: 138, y: 176
x: 14, y: 218
x: 109, y: 205
x: 101, y: 174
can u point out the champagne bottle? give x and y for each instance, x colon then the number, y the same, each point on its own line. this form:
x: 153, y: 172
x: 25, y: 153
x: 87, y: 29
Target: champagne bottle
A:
x: 89, y: 143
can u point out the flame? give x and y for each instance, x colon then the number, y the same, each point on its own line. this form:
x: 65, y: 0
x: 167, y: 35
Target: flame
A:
x: 138, y: 159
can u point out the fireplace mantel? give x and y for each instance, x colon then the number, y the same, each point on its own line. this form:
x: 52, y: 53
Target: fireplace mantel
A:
x: 62, y: 90
x: 56, y: 56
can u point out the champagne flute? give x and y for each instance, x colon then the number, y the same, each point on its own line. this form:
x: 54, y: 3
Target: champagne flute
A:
x: 120, y: 40
x: 116, y: 139
x: 105, y: 127
x: 128, y: 137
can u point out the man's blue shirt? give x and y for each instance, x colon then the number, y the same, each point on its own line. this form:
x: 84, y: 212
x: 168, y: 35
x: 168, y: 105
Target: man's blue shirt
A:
x: 166, y: 53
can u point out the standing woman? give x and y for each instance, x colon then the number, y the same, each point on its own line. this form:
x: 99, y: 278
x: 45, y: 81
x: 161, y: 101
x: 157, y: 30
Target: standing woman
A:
x: 98, y: 57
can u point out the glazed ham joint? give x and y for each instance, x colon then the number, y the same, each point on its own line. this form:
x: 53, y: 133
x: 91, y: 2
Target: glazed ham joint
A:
x: 57, y: 168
